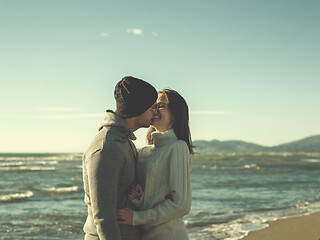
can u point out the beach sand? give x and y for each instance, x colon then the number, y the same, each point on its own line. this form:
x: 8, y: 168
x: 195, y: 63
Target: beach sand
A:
x: 295, y: 228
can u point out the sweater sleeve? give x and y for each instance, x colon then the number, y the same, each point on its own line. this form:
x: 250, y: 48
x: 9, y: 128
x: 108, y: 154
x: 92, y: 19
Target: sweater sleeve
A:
x: 103, y: 173
x: 180, y: 183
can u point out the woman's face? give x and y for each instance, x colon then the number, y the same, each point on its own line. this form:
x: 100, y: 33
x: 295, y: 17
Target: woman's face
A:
x: 162, y: 119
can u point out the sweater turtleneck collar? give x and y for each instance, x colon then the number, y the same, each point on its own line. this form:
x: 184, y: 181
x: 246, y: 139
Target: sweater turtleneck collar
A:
x: 162, y: 138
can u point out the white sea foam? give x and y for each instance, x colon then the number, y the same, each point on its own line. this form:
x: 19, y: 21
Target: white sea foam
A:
x: 12, y: 158
x: 230, y: 231
x: 36, y: 168
x: 67, y: 157
x: 251, y: 166
x: 312, y: 160
x: 24, y: 168
x: 16, y: 196
x: 45, y: 162
x: 9, y: 164
x: 307, y: 207
x: 26, y: 158
x: 233, y: 230
x: 20, y: 163
x: 62, y: 189
x: 239, y: 228
x: 211, y: 167
x: 6, y: 183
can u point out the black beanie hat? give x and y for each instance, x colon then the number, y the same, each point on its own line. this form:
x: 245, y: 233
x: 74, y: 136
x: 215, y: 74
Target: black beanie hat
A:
x: 133, y: 96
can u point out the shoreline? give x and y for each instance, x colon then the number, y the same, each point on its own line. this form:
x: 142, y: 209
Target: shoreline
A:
x: 304, y: 227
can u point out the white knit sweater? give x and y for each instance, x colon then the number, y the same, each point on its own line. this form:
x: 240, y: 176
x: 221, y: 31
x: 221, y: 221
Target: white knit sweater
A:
x: 163, y: 168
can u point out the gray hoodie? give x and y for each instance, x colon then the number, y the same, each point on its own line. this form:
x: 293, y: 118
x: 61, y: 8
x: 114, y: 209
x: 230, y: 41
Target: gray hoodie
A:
x: 108, y: 172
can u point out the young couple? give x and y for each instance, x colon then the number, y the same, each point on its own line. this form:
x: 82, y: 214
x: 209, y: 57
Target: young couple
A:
x: 111, y: 166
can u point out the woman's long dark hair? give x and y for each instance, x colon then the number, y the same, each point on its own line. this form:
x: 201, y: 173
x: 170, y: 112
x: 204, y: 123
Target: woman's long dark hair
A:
x: 179, y: 109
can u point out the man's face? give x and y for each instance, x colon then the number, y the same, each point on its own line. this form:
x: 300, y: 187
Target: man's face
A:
x: 144, y: 120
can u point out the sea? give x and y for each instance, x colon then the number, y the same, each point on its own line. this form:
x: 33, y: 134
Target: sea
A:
x: 41, y: 194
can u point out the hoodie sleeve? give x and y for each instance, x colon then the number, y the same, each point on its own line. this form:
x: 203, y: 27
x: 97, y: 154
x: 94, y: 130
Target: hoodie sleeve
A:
x: 180, y: 183
x: 103, y: 174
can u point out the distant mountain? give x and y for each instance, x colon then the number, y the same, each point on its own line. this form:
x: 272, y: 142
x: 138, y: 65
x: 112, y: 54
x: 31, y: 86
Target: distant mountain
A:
x: 232, y: 146
x: 306, y: 144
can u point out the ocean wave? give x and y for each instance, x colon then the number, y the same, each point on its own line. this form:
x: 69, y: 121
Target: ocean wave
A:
x: 24, y: 168
x: 312, y: 160
x: 210, y: 167
x: 61, y: 190
x: 10, y: 164
x: 67, y: 157
x: 12, y: 158
x: 74, y: 157
x: 28, y: 158
x: 196, y: 224
x: 308, y: 207
x: 251, y: 166
x: 45, y: 162
x: 77, y: 180
x: 14, y: 197
x: 240, y: 227
x: 234, y: 229
x: 14, y: 164
x: 226, y: 231
x: 230, y: 229
x: 6, y: 183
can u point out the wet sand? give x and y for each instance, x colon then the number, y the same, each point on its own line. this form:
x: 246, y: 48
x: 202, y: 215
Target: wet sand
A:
x: 295, y: 228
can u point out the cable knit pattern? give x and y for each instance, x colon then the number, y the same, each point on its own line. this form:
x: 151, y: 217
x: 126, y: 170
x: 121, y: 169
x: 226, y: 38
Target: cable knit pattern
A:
x: 163, y: 168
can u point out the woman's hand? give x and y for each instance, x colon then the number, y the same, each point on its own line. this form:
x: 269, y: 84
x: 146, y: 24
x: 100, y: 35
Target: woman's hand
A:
x: 170, y: 195
x: 136, y: 192
x: 125, y: 216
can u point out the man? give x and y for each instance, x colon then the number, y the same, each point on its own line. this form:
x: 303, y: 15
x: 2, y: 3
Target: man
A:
x: 109, y: 162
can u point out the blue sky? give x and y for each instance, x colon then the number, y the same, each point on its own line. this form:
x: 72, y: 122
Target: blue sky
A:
x: 249, y: 70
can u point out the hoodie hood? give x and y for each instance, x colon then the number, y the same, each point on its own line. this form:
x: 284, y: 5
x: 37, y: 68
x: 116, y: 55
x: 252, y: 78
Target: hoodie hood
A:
x: 111, y: 120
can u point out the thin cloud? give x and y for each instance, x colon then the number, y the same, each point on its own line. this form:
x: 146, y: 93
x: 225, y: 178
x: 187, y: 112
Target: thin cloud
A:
x: 57, y: 109
x: 104, y: 34
x: 211, y: 112
x: 155, y: 34
x: 70, y: 116
x: 63, y: 113
x: 135, y: 31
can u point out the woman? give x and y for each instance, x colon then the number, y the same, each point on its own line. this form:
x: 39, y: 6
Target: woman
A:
x: 163, y: 170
